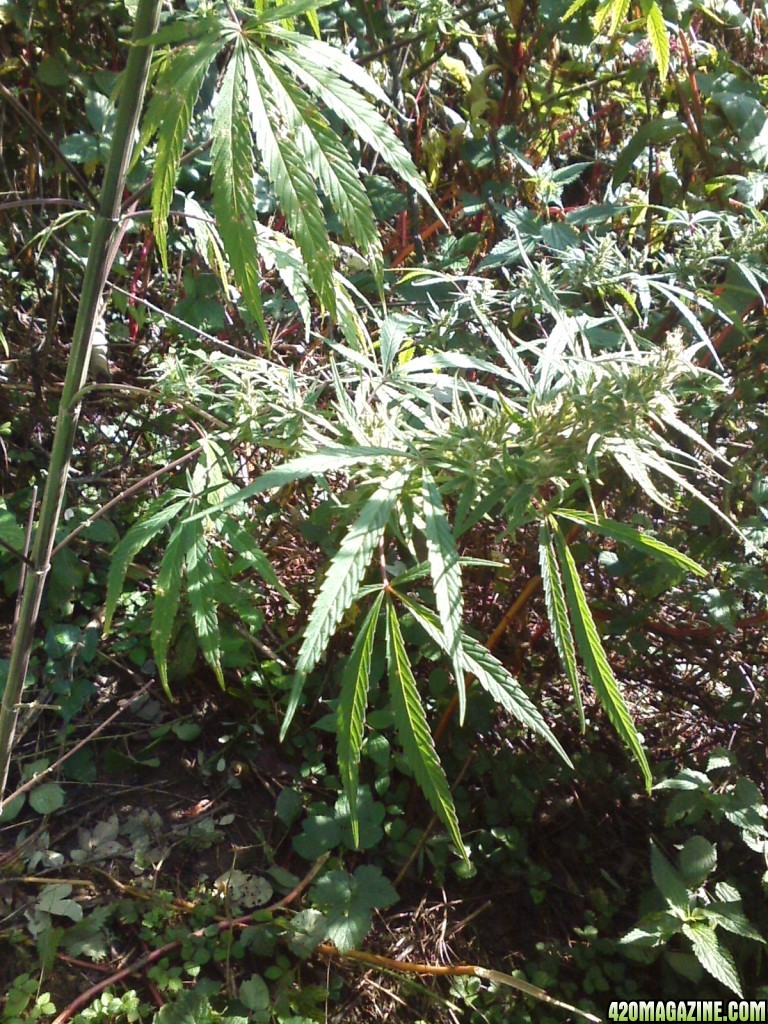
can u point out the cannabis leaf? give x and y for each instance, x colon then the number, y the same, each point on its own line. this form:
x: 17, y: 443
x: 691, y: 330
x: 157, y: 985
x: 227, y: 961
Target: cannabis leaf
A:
x: 593, y: 654
x: 351, y: 710
x: 342, y: 581
x: 268, y: 108
x: 413, y: 731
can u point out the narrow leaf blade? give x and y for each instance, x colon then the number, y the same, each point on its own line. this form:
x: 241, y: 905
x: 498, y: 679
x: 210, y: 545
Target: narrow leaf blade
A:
x: 632, y: 538
x: 139, y: 535
x: 557, y: 612
x: 232, y: 162
x: 202, y: 602
x: 351, y: 710
x: 446, y: 579
x: 414, y: 733
x: 167, y: 594
x: 342, y: 582
x: 593, y: 655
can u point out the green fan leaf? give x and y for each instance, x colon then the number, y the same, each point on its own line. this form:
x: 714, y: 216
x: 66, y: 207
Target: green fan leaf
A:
x: 246, y: 546
x: 490, y: 674
x: 632, y: 538
x: 202, y: 601
x: 169, y: 113
x: 557, y: 613
x: 413, y: 731
x: 274, y: 129
x: 139, y: 535
x: 342, y: 581
x: 658, y: 37
x: 326, y: 460
x: 355, y: 111
x: 232, y: 162
x: 330, y: 165
x: 593, y: 655
x: 575, y: 7
x: 321, y: 55
x: 291, y: 9
x: 351, y: 710
x: 446, y: 579
x: 167, y: 593
x: 207, y: 239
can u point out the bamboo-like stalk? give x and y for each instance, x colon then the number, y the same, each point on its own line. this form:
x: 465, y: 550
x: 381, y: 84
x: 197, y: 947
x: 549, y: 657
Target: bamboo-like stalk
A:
x: 101, y: 255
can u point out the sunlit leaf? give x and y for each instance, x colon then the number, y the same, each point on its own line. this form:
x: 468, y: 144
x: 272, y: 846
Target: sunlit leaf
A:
x: 351, y: 710
x: 413, y: 731
x: 593, y: 655
x: 557, y: 613
x: 342, y: 581
x: 446, y: 579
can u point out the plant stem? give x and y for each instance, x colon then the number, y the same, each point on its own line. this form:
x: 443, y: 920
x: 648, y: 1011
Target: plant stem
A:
x: 101, y: 255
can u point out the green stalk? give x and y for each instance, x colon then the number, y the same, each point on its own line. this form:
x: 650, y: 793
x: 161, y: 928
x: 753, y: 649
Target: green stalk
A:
x: 101, y: 255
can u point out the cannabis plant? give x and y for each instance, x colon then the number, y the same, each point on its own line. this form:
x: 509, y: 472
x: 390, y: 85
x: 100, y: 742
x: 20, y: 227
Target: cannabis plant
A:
x: 425, y: 446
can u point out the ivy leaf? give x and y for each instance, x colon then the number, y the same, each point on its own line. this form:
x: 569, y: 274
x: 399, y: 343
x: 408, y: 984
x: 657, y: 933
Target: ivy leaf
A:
x: 342, y: 581
x: 414, y: 733
x: 446, y: 580
x: 557, y: 613
x: 351, y: 711
x: 46, y: 798
x: 593, y: 655
x: 54, y: 900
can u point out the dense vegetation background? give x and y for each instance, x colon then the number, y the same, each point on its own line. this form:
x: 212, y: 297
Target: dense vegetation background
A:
x: 402, y: 648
